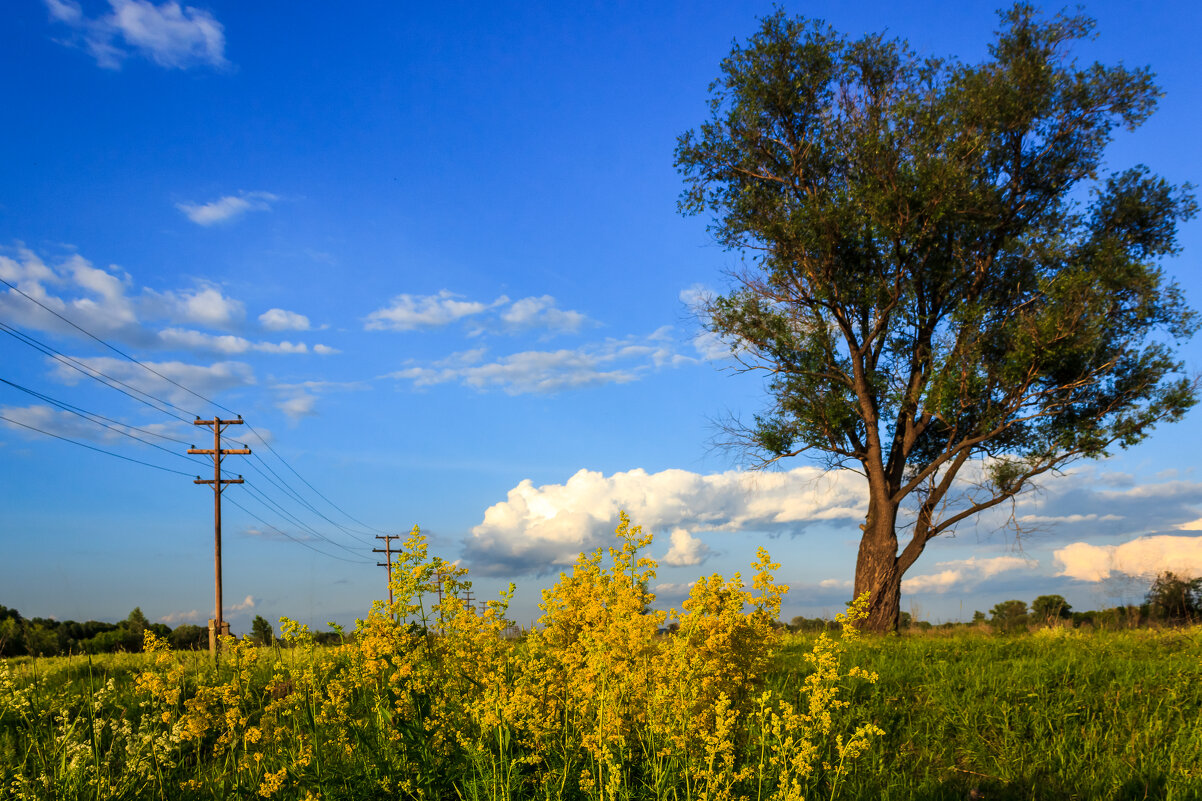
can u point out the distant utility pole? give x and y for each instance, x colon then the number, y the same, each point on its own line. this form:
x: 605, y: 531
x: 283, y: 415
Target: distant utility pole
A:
x: 387, y: 551
x: 217, y: 626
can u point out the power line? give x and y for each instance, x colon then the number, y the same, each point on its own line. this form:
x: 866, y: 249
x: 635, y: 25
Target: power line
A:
x: 115, y: 349
x: 285, y: 487
x: 86, y: 368
x: 93, y: 448
x: 86, y: 415
x: 92, y: 372
x: 296, y: 540
x: 310, y: 486
x: 266, y: 500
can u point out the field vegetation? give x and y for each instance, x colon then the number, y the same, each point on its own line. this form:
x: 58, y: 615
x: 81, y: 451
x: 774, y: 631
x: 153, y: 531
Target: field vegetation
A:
x: 428, y: 700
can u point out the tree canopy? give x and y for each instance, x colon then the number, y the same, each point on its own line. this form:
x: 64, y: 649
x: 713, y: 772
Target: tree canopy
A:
x: 942, y: 287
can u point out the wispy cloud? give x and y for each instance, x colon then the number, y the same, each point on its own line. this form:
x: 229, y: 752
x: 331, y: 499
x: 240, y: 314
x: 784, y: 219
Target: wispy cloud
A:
x: 227, y: 343
x: 208, y: 380
x: 299, y: 400
x: 1140, y: 557
x: 73, y: 426
x: 193, y: 616
x: 964, y: 572
x: 502, y: 315
x: 170, y: 35
x: 543, y: 372
x: 229, y: 207
x: 539, y: 528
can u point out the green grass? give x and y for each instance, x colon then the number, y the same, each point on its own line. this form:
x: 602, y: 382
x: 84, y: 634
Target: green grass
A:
x: 1047, y: 715
x: 1103, y: 715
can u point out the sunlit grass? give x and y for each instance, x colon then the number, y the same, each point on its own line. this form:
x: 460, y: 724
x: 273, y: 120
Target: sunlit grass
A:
x: 430, y: 700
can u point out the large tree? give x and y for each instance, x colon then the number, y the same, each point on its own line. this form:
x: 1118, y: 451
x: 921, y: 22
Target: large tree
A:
x: 940, y: 288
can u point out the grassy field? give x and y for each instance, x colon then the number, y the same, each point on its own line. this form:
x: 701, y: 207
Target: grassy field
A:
x: 1044, y: 715
x: 1054, y: 714
x: 597, y: 704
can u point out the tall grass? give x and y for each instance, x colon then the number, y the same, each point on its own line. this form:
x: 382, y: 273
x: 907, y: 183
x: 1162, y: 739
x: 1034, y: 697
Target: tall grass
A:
x: 1053, y: 714
x: 427, y: 699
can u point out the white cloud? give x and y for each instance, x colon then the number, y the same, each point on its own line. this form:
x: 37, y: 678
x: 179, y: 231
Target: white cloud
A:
x: 686, y: 550
x: 836, y: 584
x: 964, y: 571
x: 229, y: 207
x: 541, y: 312
x: 102, y: 305
x: 672, y: 590
x: 191, y: 616
x: 325, y: 350
x: 538, y: 528
x: 202, y: 305
x: 413, y: 312
x: 246, y: 603
x: 1143, y: 556
x: 709, y: 346
x: 281, y: 320
x: 207, y: 380
x: 546, y: 372
x: 168, y: 34
x: 299, y: 400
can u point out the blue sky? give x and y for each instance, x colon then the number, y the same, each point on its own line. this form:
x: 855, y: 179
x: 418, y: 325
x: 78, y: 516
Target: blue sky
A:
x: 431, y: 255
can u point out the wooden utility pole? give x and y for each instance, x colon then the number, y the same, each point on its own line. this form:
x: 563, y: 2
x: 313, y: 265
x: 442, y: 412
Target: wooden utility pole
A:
x: 387, y: 551
x: 217, y: 626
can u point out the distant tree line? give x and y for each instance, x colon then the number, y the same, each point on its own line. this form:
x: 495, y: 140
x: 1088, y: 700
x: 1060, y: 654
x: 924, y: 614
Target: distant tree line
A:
x: 1170, y: 600
x: 39, y: 636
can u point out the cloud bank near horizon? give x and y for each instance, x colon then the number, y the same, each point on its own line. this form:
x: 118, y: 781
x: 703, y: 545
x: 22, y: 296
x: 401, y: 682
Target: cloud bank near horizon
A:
x: 538, y: 529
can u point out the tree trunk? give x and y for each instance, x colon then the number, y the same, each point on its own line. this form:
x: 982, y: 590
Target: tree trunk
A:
x: 877, y: 569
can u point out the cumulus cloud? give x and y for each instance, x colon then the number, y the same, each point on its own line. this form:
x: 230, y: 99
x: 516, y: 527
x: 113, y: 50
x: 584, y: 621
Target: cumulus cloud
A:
x: 108, y: 304
x: 246, y: 603
x: 686, y: 550
x: 539, y: 528
x: 414, y: 312
x: 102, y: 304
x: 170, y: 35
x: 615, y: 361
x: 229, y: 207
x: 281, y: 320
x: 964, y: 571
x: 1143, y: 557
x: 540, y: 313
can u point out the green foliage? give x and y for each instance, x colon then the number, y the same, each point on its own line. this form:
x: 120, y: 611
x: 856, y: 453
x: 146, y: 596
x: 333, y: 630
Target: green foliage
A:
x: 260, y: 631
x: 1009, y: 614
x: 924, y: 288
x: 1175, y: 598
x: 1047, y: 608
